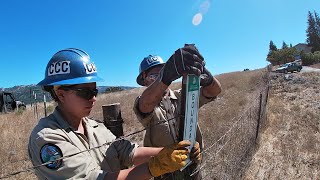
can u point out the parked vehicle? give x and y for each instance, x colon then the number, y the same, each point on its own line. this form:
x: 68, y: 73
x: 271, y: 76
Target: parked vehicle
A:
x: 8, y: 102
x: 289, y: 67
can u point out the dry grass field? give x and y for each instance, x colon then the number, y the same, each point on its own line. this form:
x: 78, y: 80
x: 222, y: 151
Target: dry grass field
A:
x: 240, y: 90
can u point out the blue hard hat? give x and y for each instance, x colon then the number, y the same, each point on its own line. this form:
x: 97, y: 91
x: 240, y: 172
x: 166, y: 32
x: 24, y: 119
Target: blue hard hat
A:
x: 146, y: 64
x: 70, y: 66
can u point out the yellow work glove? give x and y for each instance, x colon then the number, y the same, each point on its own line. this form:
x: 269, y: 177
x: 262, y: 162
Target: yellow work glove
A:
x: 169, y: 159
x: 195, y: 154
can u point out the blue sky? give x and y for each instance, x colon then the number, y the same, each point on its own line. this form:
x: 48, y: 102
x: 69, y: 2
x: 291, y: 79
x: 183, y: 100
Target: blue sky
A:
x: 232, y: 35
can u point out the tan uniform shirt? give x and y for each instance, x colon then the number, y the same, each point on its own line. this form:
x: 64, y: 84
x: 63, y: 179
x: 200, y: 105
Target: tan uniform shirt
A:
x: 163, y: 134
x: 93, y: 164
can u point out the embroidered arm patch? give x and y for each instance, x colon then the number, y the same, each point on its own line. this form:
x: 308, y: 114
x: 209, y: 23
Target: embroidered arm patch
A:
x: 49, y: 153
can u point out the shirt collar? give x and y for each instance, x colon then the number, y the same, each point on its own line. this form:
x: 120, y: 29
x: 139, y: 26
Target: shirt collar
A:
x: 90, y: 122
x: 172, y: 95
x: 60, y: 119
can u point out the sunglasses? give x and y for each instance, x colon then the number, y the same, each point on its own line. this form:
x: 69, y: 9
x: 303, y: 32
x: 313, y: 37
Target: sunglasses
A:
x: 85, y: 93
x: 152, y: 76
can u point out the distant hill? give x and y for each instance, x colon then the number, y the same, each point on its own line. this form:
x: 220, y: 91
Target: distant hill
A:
x: 33, y: 93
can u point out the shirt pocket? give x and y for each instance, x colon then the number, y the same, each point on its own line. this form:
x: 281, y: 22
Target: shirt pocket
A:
x: 160, y: 134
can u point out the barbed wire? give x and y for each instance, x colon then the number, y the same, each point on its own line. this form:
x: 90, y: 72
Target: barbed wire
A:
x: 224, y: 135
x: 87, y: 150
x: 131, y: 134
x: 205, y: 150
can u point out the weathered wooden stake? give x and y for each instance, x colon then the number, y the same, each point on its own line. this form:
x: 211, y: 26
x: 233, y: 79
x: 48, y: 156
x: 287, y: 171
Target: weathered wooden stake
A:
x: 259, y: 115
x: 112, y: 118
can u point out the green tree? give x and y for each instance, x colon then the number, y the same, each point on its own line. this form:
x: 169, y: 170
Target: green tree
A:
x: 317, y: 23
x: 284, y: 45
x: 282, y: 56
x: 272, y: 46
x: 313, y: 31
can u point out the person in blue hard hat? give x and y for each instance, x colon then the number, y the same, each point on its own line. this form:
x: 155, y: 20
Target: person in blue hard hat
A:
x: 69, y: 145
x: 158, y: 107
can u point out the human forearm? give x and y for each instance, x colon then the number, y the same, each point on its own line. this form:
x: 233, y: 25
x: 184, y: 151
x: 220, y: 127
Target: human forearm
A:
x: 213, y: 90
x: 137, y: 172
x: 152, y: 96
x: 143, y: 154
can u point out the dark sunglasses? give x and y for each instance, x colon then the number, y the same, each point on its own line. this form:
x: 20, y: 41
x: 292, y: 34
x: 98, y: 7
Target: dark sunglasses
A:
x: 85, y: 93
x: 152, y: 76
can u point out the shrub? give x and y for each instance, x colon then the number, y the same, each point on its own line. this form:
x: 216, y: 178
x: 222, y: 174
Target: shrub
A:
x: 310, y: 58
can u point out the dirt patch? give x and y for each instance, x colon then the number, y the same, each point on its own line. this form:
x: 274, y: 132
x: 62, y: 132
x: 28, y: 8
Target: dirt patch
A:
x: 316, y: 65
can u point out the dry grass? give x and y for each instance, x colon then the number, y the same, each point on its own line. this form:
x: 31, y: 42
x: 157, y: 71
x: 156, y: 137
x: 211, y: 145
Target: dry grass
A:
x: 15, y: 130
x: 240, y: 90
x: 289, y: 146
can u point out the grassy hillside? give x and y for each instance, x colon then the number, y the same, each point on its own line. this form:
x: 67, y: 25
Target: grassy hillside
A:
x: 289, y: 147
x: 26, y: 93
x: 240, y: 90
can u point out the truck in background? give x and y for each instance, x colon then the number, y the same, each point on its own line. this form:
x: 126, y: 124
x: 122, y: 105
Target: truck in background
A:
x: 8, y: 103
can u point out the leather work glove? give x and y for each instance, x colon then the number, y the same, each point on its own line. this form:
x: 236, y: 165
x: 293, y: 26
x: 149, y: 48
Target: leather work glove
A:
x: 169, y: 159
x: 195, y: 154
x: 206, y: 78
x: 186, y: 60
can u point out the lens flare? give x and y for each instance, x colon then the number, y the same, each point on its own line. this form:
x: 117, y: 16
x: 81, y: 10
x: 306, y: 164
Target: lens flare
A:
x: 197, y: 19
x: 204, y: 7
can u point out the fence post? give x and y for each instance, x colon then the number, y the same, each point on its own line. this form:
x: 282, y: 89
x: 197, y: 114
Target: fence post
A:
x: 112, y: 118
x: 36, y: 106
x: 259, y: 115
x: 4, y: 105
x: 45, y: 105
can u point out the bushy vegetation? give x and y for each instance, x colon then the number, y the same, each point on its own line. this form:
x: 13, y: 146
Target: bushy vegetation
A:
x: 113, y: 89
x: 282, y: 56
x: 311, y: 58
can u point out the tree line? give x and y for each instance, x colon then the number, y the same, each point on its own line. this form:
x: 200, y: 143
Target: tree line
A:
x: 288, y: 53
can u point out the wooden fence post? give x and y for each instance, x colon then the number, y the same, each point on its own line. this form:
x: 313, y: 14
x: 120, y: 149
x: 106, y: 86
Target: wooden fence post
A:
x: 182, y: 108
x: 259, y: 115
x: 112, y: 118
x: 4, y: 105
x: 45, y: 104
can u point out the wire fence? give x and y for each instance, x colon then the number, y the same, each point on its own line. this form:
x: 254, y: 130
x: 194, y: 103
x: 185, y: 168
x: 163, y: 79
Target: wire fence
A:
x: 225, y: 158
x: 228, y: 157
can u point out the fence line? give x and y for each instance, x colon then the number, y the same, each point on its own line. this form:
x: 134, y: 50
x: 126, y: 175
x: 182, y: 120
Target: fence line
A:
x: 224, y: 136
x: 230, y: 154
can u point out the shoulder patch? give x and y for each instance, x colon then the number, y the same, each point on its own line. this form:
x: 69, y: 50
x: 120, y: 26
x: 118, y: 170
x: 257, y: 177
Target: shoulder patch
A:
x: 50, y: 152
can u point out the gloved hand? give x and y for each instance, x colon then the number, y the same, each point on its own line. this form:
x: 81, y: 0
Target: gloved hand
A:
x: 169, y: 159
x: 195, y: 154
x: 206, y: 78
x: 186, y: 60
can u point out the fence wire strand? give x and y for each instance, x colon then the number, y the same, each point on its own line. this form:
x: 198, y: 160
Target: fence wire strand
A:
x: 71, y: 155
x: 222, y: 137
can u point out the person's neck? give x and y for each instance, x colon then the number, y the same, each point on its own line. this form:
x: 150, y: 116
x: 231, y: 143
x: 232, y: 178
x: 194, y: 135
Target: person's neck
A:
x: 74, y: 121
